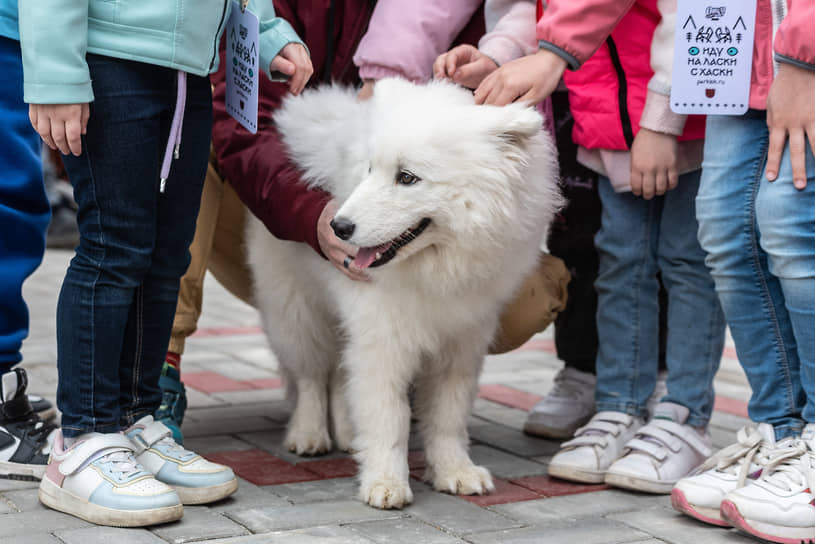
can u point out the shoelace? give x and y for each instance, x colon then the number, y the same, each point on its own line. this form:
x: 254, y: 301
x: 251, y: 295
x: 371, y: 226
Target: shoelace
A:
x: 123, y: 463
x: 791, y: 468
x: 737, y: 458
x: 175, y: 447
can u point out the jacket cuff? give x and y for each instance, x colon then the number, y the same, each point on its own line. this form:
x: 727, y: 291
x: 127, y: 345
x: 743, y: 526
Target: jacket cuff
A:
x: 309, y: 218
x: 377, y: 72
x: 570, y: 59
x: 500, y: 49
x: 658, y: 117
x: 795, y: 62
x: 45, y: 93
x: 274, y: 38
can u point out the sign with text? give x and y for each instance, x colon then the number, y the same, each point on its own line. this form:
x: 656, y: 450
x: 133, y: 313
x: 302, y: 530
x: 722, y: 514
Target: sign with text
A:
x: 713, y: 56
x: 242, y: 60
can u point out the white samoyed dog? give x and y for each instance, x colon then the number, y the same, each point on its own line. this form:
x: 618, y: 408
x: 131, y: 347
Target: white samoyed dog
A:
x: 448, y: 203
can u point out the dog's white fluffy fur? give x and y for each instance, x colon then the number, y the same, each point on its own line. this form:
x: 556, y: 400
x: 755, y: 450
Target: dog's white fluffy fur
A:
x: 349, y: 351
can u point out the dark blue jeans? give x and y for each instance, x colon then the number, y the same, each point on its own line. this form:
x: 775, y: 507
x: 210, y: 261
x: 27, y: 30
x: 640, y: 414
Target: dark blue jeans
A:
x: 118, y: 299
x: 24, y: 209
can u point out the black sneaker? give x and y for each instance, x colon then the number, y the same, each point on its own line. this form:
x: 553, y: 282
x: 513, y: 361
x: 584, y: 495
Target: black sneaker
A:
x: 42, y: 407
x: 24, y: 437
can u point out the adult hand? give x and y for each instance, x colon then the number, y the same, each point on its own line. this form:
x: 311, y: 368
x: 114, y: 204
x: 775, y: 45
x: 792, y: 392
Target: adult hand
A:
x: 293, y: 60
x: 791, y: 113
x: 367, y: 89
x: 335, y: 249
x: 465, y: 65
x: 61, y: 126
x: 653, y: 163
x: 528, y: 79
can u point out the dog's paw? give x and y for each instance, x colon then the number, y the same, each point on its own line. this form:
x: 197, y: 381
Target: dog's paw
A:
x: 312, y: 442
x: 465, y: 480
x: 387, y: 493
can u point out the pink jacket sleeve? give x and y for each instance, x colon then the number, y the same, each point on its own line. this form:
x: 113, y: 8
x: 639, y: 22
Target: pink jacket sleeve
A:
x: 404, y: 37
x: 574, y: 29
x: 794, y: 43
x: 510, y: 30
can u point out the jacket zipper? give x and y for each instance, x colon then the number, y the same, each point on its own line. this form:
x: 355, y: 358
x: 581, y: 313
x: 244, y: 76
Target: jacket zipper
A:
x: 622, y: 93
x: 227, y: 6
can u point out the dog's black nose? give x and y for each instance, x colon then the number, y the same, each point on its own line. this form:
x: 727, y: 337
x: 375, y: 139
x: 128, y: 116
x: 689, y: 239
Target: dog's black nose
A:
x: 343, y: 228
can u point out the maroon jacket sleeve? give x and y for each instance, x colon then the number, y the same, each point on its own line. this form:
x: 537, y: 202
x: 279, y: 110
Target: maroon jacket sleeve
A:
x: 259, y: 169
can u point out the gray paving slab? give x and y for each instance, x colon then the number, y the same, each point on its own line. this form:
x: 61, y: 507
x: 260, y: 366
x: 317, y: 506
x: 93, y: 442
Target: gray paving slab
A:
x: 24, y: 500
x: 402, y: 531
x: 271, y: 440
x: 247, y: 495
x: 728, y: 421
x: 242, y: 406
x: 314, y: 535
x: 335, y: 489
x: 6, y: 506
x: 40, y: 522
x: 278, y: 518
x: 591, y: 531
x: 11, y: 485
x: 673, y: 527
x: 108, y: 535
x: 234, y: 424
x: 505, y: 465
x: 596, y: 504
x: 29, y: 538
x: 455, y: 515
x: 498, y: 413
x: 210, y: 444
x: 199, y: 523
x: 510, y: 440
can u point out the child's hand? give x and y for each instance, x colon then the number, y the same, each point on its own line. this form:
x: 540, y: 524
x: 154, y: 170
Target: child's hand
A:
x: 336, y: 251
x: 293, y: 60
x: 465, y: 65
x: 367, y: 89
x: 791, y: 113
x: 528, y: 79
x: 653, y: 163
x: 61, y: 126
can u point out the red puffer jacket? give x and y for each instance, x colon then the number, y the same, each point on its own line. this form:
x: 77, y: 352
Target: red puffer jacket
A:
x: 256, y: 164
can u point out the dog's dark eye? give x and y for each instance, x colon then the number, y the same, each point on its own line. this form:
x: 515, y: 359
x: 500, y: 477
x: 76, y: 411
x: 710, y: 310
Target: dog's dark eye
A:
x: 406, y: 178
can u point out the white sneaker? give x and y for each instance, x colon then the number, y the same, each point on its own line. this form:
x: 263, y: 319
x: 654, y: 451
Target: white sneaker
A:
x: 569, y: 404
x: 99, y: 480
x: 661, y: 453
x: 700, y: 495
x: 196, y: 480
x: 594, y: 448
x: 778, y: 506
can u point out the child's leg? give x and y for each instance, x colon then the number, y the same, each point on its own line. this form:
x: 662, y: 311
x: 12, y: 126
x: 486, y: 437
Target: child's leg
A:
x: 751, y: 297
x: 786, y: 219
x: 628, y: 309
x: 103, y: 299
x: 154, y: 307
x: 695, y: 319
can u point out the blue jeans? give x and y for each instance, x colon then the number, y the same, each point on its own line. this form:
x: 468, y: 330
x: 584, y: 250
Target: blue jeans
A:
x: 760, y: 237
x: 24, y: 209
x: 118, y: 299
x: 637, y: 240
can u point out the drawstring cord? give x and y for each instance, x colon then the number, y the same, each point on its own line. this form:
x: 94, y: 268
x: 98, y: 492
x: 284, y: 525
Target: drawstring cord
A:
x: 174, y: 140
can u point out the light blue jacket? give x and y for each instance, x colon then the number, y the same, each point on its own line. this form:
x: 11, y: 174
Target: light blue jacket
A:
x: 179, y: 34
x: 8, y: 19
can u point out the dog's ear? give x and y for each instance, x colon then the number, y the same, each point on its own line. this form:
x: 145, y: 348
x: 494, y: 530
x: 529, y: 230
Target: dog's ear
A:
x: 515, y: 124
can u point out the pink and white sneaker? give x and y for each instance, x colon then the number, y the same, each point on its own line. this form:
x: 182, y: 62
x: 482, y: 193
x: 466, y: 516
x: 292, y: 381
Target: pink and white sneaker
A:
x: 99, y: 480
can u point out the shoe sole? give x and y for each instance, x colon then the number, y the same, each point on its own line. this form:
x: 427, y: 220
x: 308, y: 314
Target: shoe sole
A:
x: 626, y: 481
x: 52, y: 496
x: 795, y: 535
x: 204, y: 495
x: 542, y: 431
x: 708, y: 515
x: 572, y: 474
x: 20, y: 471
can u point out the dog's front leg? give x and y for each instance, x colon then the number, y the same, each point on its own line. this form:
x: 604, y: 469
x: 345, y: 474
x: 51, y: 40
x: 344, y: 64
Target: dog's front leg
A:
x: 444, y: 399
x: 378, y: 379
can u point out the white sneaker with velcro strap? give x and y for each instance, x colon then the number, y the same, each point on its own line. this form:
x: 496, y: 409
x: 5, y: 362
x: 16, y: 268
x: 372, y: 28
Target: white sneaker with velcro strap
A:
x: 196, y: 480
x: 99, y: 480
x: 661, y: 453
x: 596, y: 445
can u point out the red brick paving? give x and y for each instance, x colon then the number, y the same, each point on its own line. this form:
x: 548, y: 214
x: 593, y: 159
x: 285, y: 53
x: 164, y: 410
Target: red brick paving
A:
x: 730, y: 406
x: 227, y: 331
x: 552, y: 487
x: 262, y: 468
x: 212, y: 382
x: 264, y: 383
x: 344, y: 467
x: 505, y: 492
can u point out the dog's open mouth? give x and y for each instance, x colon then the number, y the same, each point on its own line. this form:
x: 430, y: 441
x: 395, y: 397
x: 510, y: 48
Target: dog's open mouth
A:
x: 370, y: 257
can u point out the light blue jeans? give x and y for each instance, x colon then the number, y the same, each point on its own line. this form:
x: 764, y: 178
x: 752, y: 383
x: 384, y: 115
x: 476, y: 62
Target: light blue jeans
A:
x: 637, y: 240
x: 760, y: 237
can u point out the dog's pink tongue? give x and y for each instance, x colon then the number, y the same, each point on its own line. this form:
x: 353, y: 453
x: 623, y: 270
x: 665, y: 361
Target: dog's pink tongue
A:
x: 367, y: 255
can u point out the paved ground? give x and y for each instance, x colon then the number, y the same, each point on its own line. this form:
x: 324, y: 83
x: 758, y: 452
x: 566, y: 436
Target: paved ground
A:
x: 237, y: 415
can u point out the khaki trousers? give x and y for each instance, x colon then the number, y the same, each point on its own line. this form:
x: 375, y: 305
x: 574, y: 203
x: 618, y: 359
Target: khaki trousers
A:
x: 218, y: 246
